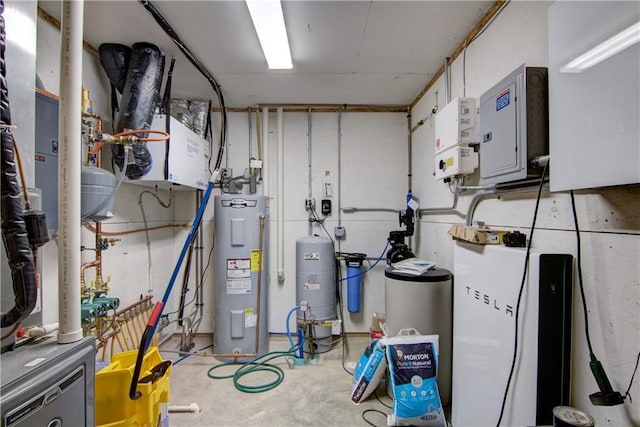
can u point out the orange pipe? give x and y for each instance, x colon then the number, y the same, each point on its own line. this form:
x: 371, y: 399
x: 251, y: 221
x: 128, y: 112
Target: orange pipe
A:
x: 137, y: 230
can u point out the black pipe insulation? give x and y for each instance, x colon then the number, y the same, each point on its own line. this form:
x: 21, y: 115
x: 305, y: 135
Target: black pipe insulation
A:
x: 140, y: 97
x: 115, y: 58
x: 14, y: 231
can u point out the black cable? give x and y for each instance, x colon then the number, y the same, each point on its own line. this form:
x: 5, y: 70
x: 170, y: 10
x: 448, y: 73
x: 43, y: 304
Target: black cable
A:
x: 592, y: 355
x: 366, y: 411
x: 321, y: 222
x: 375, y: 393
x: 522, y: 284
x: 185, y: 283
x: 626, y: 393
x: 200, y: 284
x: 340, y: 308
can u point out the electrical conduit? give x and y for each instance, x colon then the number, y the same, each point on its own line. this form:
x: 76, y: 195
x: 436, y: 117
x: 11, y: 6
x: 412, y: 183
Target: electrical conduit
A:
x: 280, y: 195
x: 69, y: 176
x: 265, y: 152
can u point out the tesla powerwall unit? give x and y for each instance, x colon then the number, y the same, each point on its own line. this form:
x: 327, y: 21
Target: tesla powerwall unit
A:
x: 514, y: 126
x: 484, y: 312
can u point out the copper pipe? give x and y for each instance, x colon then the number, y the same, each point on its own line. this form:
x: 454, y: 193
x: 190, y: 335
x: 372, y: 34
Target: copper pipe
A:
x: 259, y: 283
x: 234, y: 355
x: 98, y: 261
x: 134, y: 305
x: 120, y: 344
x: 83, y: 267
x: 137, y: 230
x: 113, y: 346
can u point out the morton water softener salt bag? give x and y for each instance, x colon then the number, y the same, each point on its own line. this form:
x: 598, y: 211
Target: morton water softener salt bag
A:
x: 368, y: 372
x: 413, y: 366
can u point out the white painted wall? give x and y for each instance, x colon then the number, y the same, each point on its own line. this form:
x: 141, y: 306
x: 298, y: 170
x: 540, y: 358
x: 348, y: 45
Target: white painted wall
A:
x: 373, y: 150
x: 608, y: 218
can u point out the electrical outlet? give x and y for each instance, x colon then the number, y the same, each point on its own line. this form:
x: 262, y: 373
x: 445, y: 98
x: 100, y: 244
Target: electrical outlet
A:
x: 310, y: 203
x: 339, y: 231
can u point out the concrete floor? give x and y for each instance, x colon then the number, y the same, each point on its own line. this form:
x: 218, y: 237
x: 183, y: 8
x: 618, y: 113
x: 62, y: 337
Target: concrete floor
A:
x: 315, y: 394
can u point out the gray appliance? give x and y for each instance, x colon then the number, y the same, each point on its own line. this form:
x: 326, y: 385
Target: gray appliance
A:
x: 241, y: 276
x: 423, y: 302
x: 514, y: 124
x: 49, y: 384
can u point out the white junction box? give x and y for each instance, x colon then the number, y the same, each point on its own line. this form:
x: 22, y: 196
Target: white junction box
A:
x: 455, y: 161
x: 456, y: 124
x: 181, y: 163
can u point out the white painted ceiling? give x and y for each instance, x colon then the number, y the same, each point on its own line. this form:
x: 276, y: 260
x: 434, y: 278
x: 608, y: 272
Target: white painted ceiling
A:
x: 344, y: 52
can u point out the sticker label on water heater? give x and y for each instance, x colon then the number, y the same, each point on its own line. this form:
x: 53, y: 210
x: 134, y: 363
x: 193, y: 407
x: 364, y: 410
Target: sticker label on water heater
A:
x: 312, y: 256
x: 312, y: 286
x: 256, y: 261
x: 503, y: 99
x: 250, y: 318
x: 238, y: 286
x: 238, y: 268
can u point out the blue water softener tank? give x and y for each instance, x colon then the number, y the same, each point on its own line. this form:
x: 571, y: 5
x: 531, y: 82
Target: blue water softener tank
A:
x: 316, y: 284
x: 241, y: 237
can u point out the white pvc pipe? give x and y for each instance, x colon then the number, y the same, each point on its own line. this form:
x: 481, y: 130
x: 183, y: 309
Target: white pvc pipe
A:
x: 193, y: 407
x: 265, y: 152
x: 69, y: 160
x: 280, y: 195
x: 40, y: 331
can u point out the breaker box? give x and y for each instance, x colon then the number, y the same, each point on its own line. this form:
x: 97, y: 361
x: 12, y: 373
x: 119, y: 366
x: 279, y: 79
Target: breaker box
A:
x: 514, y: 126
x: 46, y: 155
x: 455, y: 161
x: 456, y: 124
x: 180, y: 163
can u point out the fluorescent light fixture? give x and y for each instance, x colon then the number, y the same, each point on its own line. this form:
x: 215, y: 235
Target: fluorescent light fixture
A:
x: 268, y: 21
x: 604, y: 50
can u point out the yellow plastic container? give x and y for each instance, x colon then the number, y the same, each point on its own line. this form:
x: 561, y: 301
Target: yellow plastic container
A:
x: 113, y: 406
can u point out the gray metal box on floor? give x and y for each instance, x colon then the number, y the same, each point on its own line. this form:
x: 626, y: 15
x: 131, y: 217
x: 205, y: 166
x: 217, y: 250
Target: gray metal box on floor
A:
x: 48, y: 384
x: 514, y: 123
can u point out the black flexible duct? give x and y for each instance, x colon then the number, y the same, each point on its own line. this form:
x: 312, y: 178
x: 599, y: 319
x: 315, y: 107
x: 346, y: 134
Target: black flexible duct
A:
x: 14, y: 232
x: 115, y: 58
x: 140, y: 97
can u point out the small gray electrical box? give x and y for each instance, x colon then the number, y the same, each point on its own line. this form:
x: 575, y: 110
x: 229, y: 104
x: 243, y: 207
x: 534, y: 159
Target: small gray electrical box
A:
x: 514, y: 124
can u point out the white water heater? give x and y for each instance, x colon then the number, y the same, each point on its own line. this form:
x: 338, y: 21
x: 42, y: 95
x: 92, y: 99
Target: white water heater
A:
x: 240, y: 264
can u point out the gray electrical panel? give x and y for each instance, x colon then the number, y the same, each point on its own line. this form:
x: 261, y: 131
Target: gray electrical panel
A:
x: 514, y: 124
x: 48, y: 384
x: 46, y: 152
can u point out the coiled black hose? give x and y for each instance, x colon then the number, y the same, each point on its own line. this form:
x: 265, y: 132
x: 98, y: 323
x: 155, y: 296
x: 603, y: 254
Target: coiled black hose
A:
x: 14, y: 232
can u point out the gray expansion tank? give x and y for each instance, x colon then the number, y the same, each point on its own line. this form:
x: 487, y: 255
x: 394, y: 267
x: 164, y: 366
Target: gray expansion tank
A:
x: 241, y: 279
x: 316, y: 284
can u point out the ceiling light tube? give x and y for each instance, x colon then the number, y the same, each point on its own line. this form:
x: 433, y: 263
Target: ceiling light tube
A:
x: 268, y: 21
x: 604, y: 50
